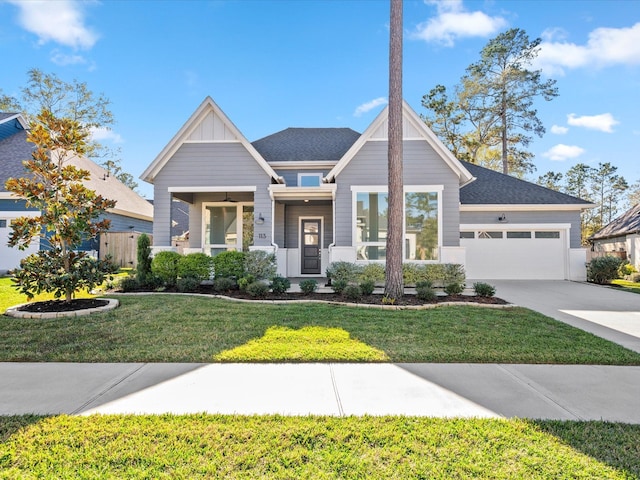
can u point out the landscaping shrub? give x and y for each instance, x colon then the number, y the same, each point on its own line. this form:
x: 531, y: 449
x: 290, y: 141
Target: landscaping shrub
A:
x: 602, y: 270
x: 229, y: 264
x: 482, y: 289
x: 626, y: 269
x: 143, y: 268
x: 338, y: 286
x: 343, y: 271
x: 195, y: 265
x: 257, y: 289
x: 308, y: 286
x: 260, y: 264
x: 411, y: 273
x: 165, y: 266
x: 353, y: 293
x: 454, y: 288
x: 129, y: 284
x: 367, y: 287
x: 424, y: 284
x: 373, y: 272
x: 245, y: 281
x: 224, y: 284
x: 425, y: 292
x: 453, y: 273
x: 188, y: 284
x: 280, y: 285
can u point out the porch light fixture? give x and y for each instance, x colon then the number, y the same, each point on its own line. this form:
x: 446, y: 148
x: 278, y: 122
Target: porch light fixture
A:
x: 502, y: 218
x: 260, y: 219
x: 306, y: 200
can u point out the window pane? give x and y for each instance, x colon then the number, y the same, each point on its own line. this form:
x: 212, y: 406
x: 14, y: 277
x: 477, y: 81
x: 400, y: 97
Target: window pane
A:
x: 467, y: 235
x: 222, y: 225
x: 547, y: 234
x: 518, y: 234
x: 3, y: 223
x: 489, y: 234
x: 371, y: 217
x: 309, y: 180
x: 421, y: 226
x: 371, y: 253
x: 247, y: 227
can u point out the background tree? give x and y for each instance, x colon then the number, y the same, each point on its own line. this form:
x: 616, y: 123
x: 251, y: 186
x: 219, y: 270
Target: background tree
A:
x: 551, y: 180
x: 492, y: 113
x: 69, y: 212
x: 394, y: 288
x: 73, y: 100
x: 633, y: 194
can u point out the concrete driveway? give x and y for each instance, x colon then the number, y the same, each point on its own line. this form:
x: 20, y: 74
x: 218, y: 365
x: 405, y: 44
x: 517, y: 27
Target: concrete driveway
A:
x: 604, y: 311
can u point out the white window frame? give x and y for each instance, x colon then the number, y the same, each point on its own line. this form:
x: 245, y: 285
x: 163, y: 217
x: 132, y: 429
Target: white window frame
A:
x: 310, y: 174
x: 207, y: 247
x: 355, y: 189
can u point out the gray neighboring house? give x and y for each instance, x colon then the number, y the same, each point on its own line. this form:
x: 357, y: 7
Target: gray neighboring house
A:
x: 318, y: 195
x: 132, y: 213
x: 621, y: 237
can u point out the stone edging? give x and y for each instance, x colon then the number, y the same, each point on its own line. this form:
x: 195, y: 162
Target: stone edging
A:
x: 14, y: 312
x: 329, y: 302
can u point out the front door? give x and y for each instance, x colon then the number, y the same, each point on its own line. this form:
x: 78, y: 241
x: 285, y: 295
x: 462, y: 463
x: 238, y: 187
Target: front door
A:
x: 310, y: 243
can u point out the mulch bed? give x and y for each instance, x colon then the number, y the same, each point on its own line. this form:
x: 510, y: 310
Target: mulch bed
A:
x: 56, y: 306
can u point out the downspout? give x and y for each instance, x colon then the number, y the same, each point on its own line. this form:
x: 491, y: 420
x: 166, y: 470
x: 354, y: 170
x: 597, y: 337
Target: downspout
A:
x: 333, y: 206
x: 273, y: 222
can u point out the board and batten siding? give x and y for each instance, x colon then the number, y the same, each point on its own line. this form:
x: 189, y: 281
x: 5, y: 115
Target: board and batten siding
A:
x: 421, y: 166
x: 292, y: 223
x: 530, y: 217
x: 215, y: 164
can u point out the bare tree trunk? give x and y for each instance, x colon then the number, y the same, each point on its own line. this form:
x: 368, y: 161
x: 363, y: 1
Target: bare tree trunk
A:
x: 393, y: 282
x: 503, y: 133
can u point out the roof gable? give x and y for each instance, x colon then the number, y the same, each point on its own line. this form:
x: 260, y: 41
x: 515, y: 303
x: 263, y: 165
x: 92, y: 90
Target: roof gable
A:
x: 207, y: 124
x: 306, y: 144
x: 10, y: 124
x: 626, y: 224
x: 413, y: 128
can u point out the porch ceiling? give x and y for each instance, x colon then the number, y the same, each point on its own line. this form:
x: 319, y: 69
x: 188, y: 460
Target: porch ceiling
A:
x: 282, y: 193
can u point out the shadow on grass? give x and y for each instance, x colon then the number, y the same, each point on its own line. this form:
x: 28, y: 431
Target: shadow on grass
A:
x: 12, y: 424
x: 614, y: 444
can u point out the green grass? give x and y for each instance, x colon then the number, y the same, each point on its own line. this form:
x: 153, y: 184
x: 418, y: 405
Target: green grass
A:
x: 170, y: 328
x: 633, y: 287
x: 9, y: 296
x: 273, y: 447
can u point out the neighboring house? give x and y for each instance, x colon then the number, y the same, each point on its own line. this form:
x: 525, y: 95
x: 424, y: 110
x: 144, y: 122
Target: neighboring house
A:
x: 621, y: 238
x: 318, y: 195
x: 132, y: 213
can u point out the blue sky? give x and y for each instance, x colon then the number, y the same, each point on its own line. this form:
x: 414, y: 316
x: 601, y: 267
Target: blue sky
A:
x: 276, y: 64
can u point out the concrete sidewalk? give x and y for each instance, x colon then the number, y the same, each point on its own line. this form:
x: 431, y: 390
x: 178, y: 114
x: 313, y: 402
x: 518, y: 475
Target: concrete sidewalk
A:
x: 439, y: 390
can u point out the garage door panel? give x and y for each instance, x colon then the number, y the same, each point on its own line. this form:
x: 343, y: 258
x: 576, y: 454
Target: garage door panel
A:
x: 515, y: 258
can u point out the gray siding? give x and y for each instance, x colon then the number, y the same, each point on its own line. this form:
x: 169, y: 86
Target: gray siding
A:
x: 8, y: 205
x: 121, y: 223
x: 515, y: 217
x: 212, y: 165
x: 292, y: 223
x: 421, y: 166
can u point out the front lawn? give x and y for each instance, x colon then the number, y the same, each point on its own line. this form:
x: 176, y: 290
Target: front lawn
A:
x: 176, y: 328
x: 274, y: 447
x: 633, y: 287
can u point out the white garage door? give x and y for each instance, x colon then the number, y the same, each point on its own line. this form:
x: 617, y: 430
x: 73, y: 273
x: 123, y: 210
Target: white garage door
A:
x: 515, y: 253
x: 10, y: 257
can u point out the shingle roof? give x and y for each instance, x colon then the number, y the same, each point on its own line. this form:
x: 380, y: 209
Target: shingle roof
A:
x: 306, y: 144
x: 491, y: 188
x: 4, y: 115
x: 626, y: 224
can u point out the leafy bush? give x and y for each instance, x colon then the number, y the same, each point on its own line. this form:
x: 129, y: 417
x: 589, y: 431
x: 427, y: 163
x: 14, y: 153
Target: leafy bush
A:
x: 245, y: 281
x: 352, y: 292
x: 280, y: 285
x: 424, y: 284
x: 367, y: 287
x: 229, y: 264
x: 165, y: 266
x: 454, y: 288
x: 195, y: 265
x: 257, y: 289
x: 626, y: 269
x: 602, y: 270
x: 129, y: 284
x: 453, y: 273
x: 482, y: 289
x: 188, y: 284
x: 426, y: 293
x: 308, y: 286
x: 411, y: 274
x: 260, y: 264
x: 143, y: 269
x: 224, y: 284
x: 343, y: 271
x: 373, y: 272
x: 338, y: 286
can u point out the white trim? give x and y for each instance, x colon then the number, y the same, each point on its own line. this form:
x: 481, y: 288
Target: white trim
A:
x: 515, y: 226
x: 523, y: 207
x: 325, y: 190
x: 317, y: 175
x: 9, y: 196
x: 300, y: 243
x: 209, y: 189
x: 239, y: 224
x: 20, y: 119
x: 304, y: 164
x: 127, y: 213
x: 212, y: 141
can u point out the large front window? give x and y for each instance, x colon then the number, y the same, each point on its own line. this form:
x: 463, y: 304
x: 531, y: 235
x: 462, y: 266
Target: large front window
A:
x: 421, y: 231
x: 228, y: 227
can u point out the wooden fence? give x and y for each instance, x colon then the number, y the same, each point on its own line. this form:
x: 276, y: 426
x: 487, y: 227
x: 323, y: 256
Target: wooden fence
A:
x: 122, y: 246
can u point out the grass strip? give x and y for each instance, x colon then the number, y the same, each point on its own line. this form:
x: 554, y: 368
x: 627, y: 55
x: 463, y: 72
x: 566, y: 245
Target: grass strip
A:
x: 163, y: 328
x: 274, y: 447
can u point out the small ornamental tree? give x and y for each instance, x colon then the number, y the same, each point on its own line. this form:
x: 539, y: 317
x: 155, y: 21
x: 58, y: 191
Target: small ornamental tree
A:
x: 69, y: 212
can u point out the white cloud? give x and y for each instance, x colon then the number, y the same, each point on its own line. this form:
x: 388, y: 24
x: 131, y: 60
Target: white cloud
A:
x: 61, y: 22
x: 561, y: 152
x: 103, y: 133
x: 365, y: 107
x: 558, y: 130
x: 604, y: 47
x: 453, y: 21
x: 603, y: 122
x: 63, y: 59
